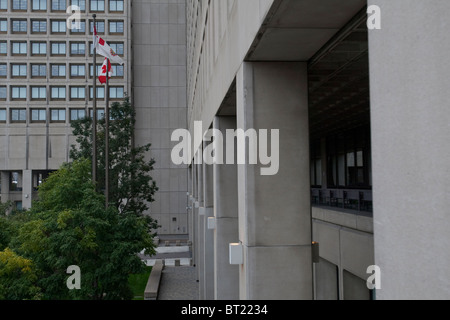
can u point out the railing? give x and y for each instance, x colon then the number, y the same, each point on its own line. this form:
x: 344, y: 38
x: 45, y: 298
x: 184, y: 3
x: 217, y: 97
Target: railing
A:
x: 350, y: 199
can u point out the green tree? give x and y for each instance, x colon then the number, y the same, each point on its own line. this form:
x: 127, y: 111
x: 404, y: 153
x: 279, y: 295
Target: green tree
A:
x: 69, y: 225
x: 131, y: 185
x: 17, y: 277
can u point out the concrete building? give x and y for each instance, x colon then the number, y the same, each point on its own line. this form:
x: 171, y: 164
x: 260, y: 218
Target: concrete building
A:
x: 46, y: 82
x: 363, y: 148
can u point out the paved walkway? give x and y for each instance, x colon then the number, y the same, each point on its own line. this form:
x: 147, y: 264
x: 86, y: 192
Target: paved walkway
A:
x: 179, y: 283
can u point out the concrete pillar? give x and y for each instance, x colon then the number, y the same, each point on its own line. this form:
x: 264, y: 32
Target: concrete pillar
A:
x: 200, y: 226
x: 409, y: 68
x: 226, y: 220
x: 27, y: 189
x: 5, y: 181
x: 208, y: 237
x: 274, y: 210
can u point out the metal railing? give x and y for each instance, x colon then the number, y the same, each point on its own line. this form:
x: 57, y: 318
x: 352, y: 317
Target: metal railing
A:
x: 349, y: 199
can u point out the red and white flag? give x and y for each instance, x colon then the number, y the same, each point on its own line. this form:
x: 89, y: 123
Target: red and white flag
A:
x: 105, y: 50
x: 102, y: 76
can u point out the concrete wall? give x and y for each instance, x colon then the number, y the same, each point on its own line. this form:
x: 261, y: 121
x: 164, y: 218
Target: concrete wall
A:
x: 159, y: 87
x: 216, y: 50
x: 409, y: 69
x: 346, y: 249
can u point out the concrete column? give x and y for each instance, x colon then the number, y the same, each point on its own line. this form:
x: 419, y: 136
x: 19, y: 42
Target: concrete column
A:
x: 274, y: 210
x: 409, y: 68
x: 27, y: 188
x: 200, y: 226
x: 5, y: 181
x: 226, y: 220
x: 208, y: 237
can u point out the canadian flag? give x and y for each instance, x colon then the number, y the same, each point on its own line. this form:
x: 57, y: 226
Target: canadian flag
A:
x: 105, y: 50
x: 102, y: 76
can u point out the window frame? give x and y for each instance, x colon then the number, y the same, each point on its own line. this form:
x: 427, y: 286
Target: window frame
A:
x: 20, y: 65
x: 41, y: 111
x: 22, y: 114
x: 21, y: 90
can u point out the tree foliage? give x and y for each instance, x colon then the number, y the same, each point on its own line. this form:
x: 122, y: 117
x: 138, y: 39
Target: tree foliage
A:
x: 70, y: 226
x: 131, y: 186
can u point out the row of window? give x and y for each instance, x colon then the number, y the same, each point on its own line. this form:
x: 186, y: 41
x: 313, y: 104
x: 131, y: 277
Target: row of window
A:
x: 39, y: 70
x: 56, y: 48
x: 61, y: 5
x: 59, y: 92
x: 60, y: 26
x: 55, y: 115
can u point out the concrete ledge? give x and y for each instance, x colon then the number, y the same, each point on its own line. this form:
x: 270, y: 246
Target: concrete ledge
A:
x: 152, y: 288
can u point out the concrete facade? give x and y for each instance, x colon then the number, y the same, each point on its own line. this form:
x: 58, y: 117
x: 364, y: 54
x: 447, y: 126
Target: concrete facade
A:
x: 362, y: 143
x: 159, y: 92
x: 55, y: 75
x: 152, y: 42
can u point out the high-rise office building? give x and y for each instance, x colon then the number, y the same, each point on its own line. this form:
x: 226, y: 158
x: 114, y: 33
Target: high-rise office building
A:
x: 46, y: 71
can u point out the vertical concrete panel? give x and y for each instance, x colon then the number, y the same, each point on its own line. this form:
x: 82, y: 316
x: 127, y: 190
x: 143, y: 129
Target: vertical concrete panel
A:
x: 275, y: 223
x: 226, y: 215
x: 409, y: 68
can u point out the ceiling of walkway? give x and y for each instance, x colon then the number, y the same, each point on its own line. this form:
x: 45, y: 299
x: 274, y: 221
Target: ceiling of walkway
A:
x: 331, y: 35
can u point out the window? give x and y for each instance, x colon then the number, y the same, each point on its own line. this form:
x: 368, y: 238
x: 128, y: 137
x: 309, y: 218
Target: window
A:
x: 77, y: 48
x: 19, y: 26
x: 18, y: 205
x: 18, y: 115
x: 38, y: 115
x: 117, y: 48
x: 81, y: 29
x: 80, y: 3
x: 3, y: 47
x: 19, y: 70
x: 58, y: 5
x: 77, y: 114
x: 58, y: 93
x: 19, y: 47
x: 100, y: 113
x: 91, y: 70
x: 100, y: 25
x: 2, y: 115
x: 3, y: 70
x: 58, y: 115
x: 58, y: 48
x: 97, y: 5
x: 39, y: 48
x: 58, y: 70
x: 19, y: 4
x: 38, y: 92
x: 100, y: 93
x: 38, y: 70
x: 3, y: 92
x: 116, y: 27
x: 39, y: 26
x: 77, y: 93
x: 39, y: 5
x: 3, y: 25
x: 116, y: 92
x: 19, y: 93
x: 77, y: 70
x: 116, y: 5
x: 349, y: 159
x: 117, y: 70
x: 58, y: 26
x: 3, y: 4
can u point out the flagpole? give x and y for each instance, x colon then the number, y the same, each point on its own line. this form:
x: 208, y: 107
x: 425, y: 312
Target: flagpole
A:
x: 94, y: 110
x: 107, y: 137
